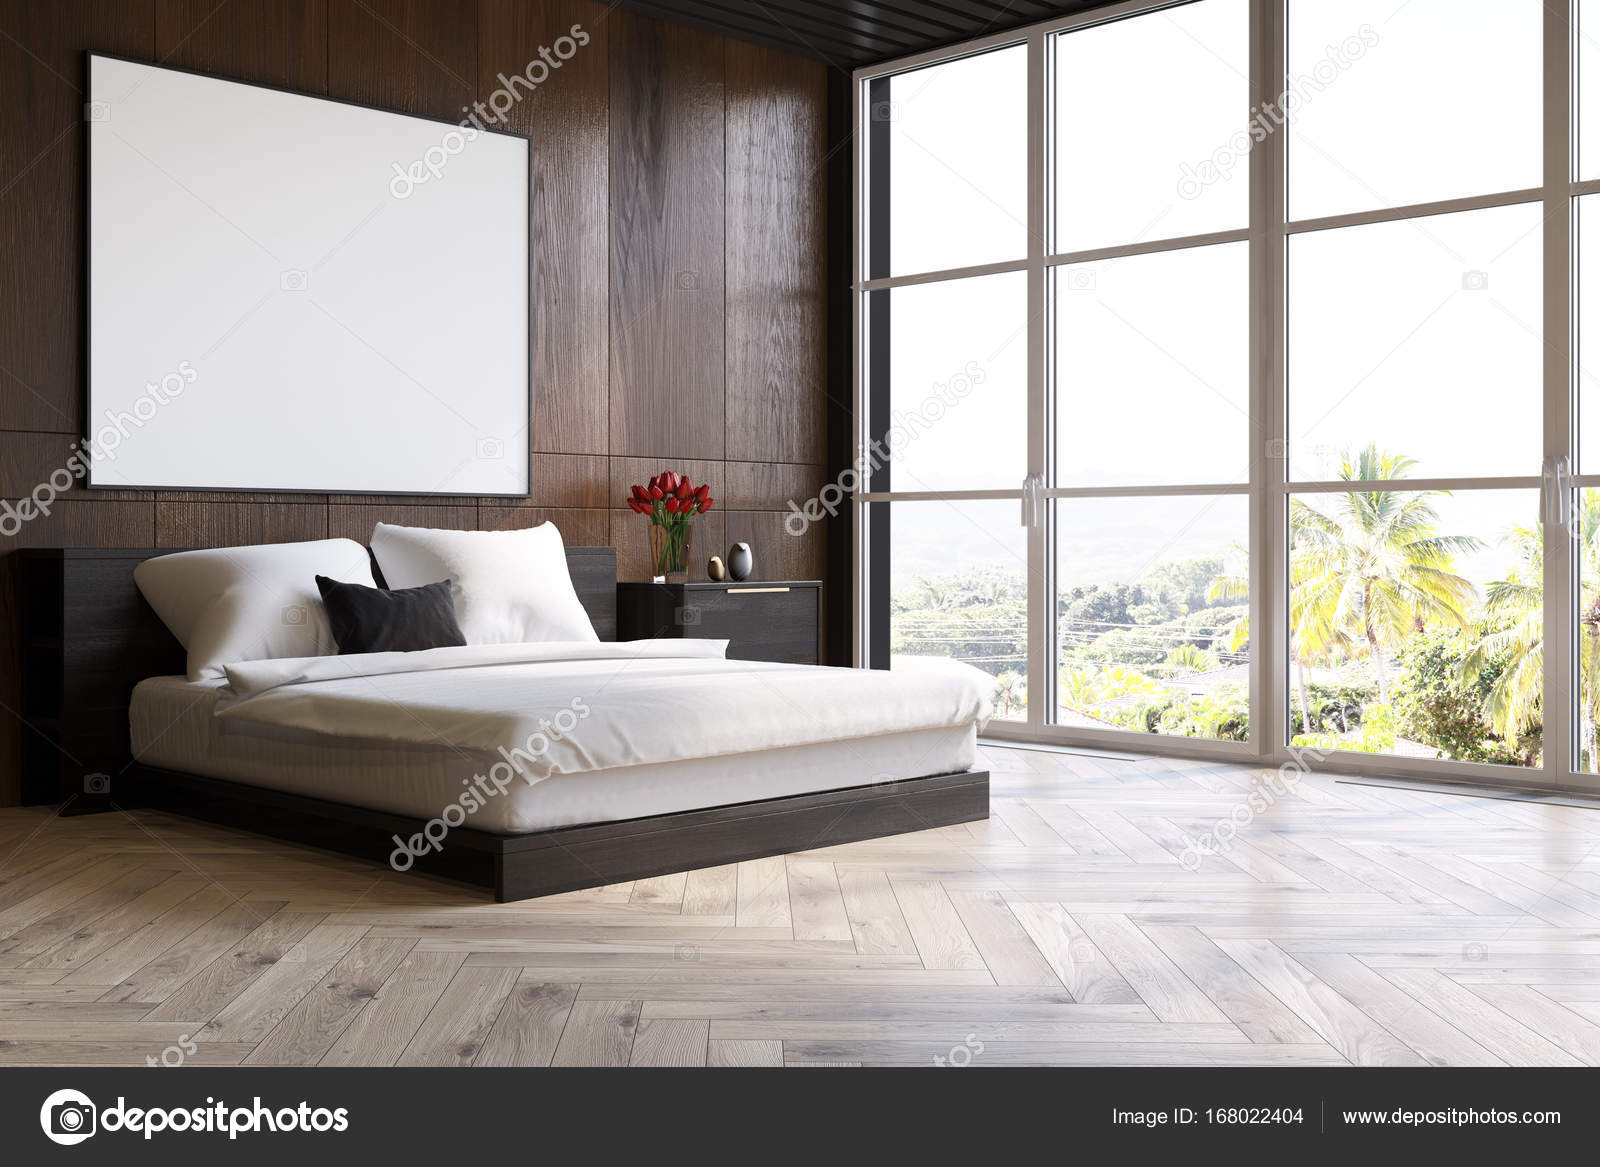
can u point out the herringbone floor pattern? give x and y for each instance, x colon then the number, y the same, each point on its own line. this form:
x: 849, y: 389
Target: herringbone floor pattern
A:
x: 1343, y: 924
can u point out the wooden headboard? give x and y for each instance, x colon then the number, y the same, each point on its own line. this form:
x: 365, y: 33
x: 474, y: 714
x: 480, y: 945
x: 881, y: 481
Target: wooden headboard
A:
x: 87, y: 637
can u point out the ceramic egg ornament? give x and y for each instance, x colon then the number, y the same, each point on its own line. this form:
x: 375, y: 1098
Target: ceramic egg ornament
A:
x: 740, y: 562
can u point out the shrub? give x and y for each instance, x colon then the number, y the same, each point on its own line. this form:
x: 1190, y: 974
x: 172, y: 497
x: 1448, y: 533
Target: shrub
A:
x: 1223, y: 714
x: 1435, y: 706
x: 1334, y: 708
x: 1378, y: 734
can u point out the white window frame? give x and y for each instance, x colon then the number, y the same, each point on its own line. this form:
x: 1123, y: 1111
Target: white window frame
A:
x: 1268, y: 488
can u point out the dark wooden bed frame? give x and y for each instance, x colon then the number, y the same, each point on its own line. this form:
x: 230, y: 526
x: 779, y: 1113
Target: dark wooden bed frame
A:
x: 87, y: 637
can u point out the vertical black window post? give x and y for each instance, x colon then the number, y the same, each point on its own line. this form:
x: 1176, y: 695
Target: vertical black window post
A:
x: 880, y: 115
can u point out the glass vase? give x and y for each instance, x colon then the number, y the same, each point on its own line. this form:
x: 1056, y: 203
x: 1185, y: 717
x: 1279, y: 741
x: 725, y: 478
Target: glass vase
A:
x: 669, y: 549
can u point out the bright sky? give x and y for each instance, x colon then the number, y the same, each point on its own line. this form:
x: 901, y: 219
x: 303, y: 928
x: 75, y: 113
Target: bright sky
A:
x: 1423, y: 336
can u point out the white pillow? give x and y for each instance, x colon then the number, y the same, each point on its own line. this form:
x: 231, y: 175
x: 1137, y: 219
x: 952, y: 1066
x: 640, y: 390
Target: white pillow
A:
x: 236, y: 604
x: 509, y: 587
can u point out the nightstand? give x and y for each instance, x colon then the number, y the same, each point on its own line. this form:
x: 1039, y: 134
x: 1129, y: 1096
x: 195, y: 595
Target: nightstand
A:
x: 769, y: 620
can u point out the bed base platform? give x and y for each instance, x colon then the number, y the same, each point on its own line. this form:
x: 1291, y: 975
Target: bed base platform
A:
x: 519, y: 867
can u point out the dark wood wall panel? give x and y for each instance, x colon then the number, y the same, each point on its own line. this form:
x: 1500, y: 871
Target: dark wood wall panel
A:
x: 42, y: 82
x: 771, y: 486
x: 569, y: 480
x: 579, y: 528
x: 675, y: 304
x: 776, y: 317
x: 356, y: 521
x: 78, y: 523
x: 232, y: 524
x: 417, y: 56
x: 274, y: 42
x: 667, y: 244
x: 566, y: 119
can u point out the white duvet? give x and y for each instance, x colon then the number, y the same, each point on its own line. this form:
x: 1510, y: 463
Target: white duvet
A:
x: 566, y: 708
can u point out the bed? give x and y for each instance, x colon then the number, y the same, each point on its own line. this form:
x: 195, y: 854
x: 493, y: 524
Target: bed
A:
x: 681, y: 758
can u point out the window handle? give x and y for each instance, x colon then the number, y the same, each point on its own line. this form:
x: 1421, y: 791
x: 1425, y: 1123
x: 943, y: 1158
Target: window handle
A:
x: 1558, y: 501
x: 1033, y: 501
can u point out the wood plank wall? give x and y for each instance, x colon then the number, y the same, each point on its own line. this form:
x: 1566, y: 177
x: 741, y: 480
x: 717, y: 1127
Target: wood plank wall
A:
x: 678, y: 217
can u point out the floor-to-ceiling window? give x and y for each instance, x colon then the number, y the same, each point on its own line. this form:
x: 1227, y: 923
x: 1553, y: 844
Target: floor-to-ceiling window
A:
x: 1272, y: 317
x: 1147, y: 382
x: 947, y: 308
x: 1415, y: 387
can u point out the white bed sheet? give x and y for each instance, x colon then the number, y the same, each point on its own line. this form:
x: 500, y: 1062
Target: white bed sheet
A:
x: 173, y: 725
x: 563, y: 707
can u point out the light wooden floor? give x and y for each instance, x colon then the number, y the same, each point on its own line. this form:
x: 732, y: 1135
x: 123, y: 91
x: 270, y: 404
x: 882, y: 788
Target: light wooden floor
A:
x: 1345, y: 924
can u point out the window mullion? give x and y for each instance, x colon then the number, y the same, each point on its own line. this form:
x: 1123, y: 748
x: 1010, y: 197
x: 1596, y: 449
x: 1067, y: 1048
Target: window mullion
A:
x: 1041, y: 584
x: 1269, y: 556
x: 1560, y: 599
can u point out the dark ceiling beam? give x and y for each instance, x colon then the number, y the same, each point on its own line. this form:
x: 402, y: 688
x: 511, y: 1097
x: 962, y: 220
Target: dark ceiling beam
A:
x: 807, y: 20
x: 851, y: 33
x: 821, y: 41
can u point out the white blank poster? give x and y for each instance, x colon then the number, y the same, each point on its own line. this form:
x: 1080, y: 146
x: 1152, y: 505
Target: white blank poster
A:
x: 289, y: 293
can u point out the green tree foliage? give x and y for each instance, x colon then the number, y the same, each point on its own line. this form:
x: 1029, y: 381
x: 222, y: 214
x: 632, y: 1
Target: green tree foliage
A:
x: 1439, y: 703
x: 1223, y: 714
x: 1372, y: 567
x: 1184, y: 583
x: 978, y: 615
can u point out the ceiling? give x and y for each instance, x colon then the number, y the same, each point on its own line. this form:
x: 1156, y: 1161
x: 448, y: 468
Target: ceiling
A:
x: 850, y: 33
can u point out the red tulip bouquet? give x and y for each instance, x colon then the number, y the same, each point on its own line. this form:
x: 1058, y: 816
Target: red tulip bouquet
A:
x: 670, y: 500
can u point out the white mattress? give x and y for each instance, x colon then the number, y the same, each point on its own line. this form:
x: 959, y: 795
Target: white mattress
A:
x: 173, y: 726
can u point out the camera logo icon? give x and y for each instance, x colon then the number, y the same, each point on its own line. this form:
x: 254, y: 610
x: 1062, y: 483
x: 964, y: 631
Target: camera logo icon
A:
x: 67, y: 1117
x: 293, y: 616
x: 1475, y: 281
x: 293, y: 280
x: 97, y: 783
x: 490, y: 449
x: 97, y: 111
x: 687, y: 281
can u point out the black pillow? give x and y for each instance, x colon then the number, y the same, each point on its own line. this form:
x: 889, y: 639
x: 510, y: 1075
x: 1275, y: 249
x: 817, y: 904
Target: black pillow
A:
x: 379, y: 620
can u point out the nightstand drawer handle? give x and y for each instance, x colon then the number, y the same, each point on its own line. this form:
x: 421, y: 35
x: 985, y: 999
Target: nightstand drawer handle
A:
x: 754, y: 591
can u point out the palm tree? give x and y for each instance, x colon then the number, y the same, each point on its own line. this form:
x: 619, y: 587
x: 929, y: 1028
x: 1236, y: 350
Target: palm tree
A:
x: 1515, y: 608
x: 1190, y: 658
x: 1235, y: 588
x: 1083, y: 688
x: 1373, y: 567
x: 1010, y: 692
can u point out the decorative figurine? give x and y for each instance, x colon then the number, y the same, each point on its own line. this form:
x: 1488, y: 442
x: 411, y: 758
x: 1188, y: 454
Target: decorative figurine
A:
x: 740, y: 561
x: 715, y: 570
